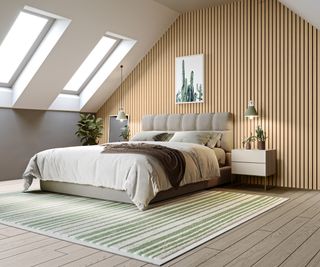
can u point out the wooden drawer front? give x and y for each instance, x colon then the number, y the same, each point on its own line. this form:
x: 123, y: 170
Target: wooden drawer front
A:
x: 249, y: 156
x: 256, y: 169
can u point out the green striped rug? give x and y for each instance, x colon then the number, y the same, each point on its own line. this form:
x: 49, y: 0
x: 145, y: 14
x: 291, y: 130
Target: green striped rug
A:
x: 157, y: 235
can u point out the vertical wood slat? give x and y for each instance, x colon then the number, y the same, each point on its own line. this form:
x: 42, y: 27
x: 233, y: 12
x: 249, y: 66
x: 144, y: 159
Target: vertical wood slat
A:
x: 253, y: 49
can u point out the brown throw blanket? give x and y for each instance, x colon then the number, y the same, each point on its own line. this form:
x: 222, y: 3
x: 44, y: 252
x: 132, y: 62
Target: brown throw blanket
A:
x: 172, y: 160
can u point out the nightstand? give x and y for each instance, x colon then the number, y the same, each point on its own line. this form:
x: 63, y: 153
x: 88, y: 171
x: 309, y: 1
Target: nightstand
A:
x: 260, y: 163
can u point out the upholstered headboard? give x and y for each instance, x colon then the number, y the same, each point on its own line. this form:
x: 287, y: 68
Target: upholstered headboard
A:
x: 217, y: 122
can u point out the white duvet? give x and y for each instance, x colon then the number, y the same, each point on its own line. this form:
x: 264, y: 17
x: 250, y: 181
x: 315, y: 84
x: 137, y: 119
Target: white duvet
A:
x: 140, y: 176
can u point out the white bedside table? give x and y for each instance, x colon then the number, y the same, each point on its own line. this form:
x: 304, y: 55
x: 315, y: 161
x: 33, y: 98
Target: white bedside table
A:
x: 254, y: 162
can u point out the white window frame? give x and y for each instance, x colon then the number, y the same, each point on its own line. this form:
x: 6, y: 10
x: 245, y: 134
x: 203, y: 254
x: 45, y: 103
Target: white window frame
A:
x: 32, y: 50
x: 97, y: 68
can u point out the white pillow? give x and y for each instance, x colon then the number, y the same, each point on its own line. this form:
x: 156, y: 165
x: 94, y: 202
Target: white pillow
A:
x: 194, y: 137
x: 150, y: 136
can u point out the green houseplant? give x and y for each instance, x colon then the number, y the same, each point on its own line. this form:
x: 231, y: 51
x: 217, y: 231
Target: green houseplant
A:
x: 261, y: 138
x: 125, y: 133
x: 90, y: 129
x: 248, y: 140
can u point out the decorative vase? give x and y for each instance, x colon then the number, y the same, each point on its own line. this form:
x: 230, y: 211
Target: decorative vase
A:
x: 248, y: 145
x: 261, y: 145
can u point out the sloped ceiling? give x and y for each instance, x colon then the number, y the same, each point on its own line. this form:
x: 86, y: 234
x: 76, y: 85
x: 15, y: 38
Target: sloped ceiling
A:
x: 307, y: 9
x: 142, y: 20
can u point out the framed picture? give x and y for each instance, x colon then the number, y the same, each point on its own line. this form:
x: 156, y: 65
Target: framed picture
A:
x: 190, y: 79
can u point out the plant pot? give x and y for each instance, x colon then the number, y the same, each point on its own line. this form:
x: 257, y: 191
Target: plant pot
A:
x: 248, y: 146
x: 261, y: 145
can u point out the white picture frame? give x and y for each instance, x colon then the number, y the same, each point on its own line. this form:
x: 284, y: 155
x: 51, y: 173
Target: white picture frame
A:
x: 189, y: 79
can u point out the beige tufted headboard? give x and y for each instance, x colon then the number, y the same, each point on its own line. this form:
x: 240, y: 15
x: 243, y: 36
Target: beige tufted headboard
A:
x: 221, y: 122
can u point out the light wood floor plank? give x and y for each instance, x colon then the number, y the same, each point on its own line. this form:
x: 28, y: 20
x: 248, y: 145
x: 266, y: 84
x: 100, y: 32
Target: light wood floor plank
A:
x: 312, y: 211
x: 36, y: 256
x: 288, y: 246
x: 197, y: 258
x: 236, y: 249
x: 305, y: 253
x: 315, y: 261
x: 19, y: 240
x: 112, y: 261
x: 288, y: 216
x: 34, y: 246
x: 131, y: 263
x: 72, y: 253
x: 252, y: 255
x: 11, y: 231
x: 90, y: 260
x: 74, y: 248
x: 2, y: 226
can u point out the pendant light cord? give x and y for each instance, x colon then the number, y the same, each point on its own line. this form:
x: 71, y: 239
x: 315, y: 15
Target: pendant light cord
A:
x: 121, y: 106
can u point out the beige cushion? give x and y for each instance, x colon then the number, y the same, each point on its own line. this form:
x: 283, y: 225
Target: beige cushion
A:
x: 214, y: 140
x: 191, y: 137
x: 221, y: 156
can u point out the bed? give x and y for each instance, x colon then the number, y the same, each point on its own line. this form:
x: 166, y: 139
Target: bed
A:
x: 137, y: 179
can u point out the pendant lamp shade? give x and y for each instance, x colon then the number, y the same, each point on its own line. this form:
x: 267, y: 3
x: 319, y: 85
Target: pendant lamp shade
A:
x: 121, y: 114
x: 251, y: 111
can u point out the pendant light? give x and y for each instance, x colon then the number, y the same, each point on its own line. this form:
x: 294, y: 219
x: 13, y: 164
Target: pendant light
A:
x: 251, y: 111
x: 121, y: 114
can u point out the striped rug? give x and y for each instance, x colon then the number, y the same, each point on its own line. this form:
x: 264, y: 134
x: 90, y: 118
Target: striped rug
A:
x: 157, y: 235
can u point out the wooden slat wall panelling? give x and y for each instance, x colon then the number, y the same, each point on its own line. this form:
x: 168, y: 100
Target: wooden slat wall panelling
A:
x: 317, y: 107
x: 292, y: 101
x: 297, y: 103
x: 314, y: 104
x: 289, y: 90
x: 304, y: 96
x: 255, y: 49
x: 310, y: 105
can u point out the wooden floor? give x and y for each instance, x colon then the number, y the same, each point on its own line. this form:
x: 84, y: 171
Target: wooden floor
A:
x: 288, y: 235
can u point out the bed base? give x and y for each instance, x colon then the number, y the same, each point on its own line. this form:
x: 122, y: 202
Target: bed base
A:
x: 121, y: 196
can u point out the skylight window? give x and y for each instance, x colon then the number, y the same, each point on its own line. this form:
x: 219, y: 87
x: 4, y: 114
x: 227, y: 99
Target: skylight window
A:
x: 20, y: 43
x: 91, y: 64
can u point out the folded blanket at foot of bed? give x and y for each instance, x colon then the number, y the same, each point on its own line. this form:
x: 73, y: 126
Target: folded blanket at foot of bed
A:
x: 172, y: 160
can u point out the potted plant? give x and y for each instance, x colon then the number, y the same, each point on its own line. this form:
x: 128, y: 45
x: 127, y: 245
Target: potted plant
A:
x: 90, y: 129
x: 248, y: 140
x: 261, y: 137
x: 125, y: 133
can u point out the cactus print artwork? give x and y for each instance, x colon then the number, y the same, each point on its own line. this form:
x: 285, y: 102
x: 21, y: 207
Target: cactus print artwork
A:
x: 190, y: 79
